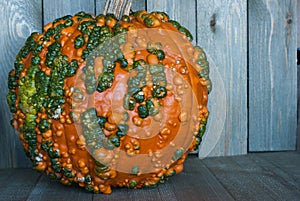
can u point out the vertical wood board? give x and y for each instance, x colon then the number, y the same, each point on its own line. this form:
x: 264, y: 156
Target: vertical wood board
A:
x: 225, y: 44
x: 182, y: 11
x: 272, y: 75
x: 298, y: 78
x: 19, y: 19
x: 54, y: 9
x: 136, y: 5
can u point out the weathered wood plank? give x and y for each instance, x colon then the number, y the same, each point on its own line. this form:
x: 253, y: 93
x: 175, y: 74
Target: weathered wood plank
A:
x: 298, y: 76
x: 136, y: 5
x: 248, y: 179
x: 196, y: 182
x: 272, y: 75
x: 19, y: 19
x: 47, y: 189
x: 222, y: 32
x: 183, y: 11
x: 118, y: 7
x: 54, y: 9
x: 117, y: 194
x: 298, y: 106
x: 16, y: 184
x: 259, y: 176
x: 298, y: 22
x: 284, y: 164
x: 163, y: 192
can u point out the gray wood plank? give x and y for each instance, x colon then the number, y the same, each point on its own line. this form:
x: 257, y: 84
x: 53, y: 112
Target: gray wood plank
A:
x: 259, y: 176
x: 287, y: 164
x: 54, y: 9
x: 272, y: 75
x: 298, y: 22
x: 298, y: 77
x: 136, y: 5
x: 248, y: 179
x: 48, y: 190
x: 16, y: 184
x: 278, y: 181
x: 117, y: 194
x: 225, y: 44
x: 19, y: 19
x: 164, y: 192
x: 183, y: 11
x: 196, y: 182
x: 160, y: 193
x: 298, y: 106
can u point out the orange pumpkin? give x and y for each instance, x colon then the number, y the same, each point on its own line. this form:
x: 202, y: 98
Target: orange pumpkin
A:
x: 104, y: 102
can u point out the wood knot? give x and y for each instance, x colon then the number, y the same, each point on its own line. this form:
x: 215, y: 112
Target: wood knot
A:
x: 289, y: 19
x: 212, y: 23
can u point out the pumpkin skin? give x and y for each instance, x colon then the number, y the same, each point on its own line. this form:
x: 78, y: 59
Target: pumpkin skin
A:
x: 57, y: 97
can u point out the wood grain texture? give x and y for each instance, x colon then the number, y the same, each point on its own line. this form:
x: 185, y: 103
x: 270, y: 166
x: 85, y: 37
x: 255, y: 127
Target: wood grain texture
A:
x: 118, y: 7
x: 298, y: 77
x: 47, y: 190
x: 196, y: 182
x: 17, y: 184
x: 256, y: 176
x: 222, y: 32
x: 195, y: 173
x: 54, y: 9
x: 19, y: 19
x: 136, y: 5
x: 272, y: 75
x: 249, y: 178
x: 183, y: 11
x: 164, y: 192
x: 280, y: 164
x: 298, y: 23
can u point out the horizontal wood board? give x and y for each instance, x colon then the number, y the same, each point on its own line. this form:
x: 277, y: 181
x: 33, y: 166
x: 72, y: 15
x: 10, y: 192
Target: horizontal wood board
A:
x: 259, y: 176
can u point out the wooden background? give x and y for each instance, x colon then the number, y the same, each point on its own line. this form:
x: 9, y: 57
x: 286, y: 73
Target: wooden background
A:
x: 251, y: 47
x: 298, y: 79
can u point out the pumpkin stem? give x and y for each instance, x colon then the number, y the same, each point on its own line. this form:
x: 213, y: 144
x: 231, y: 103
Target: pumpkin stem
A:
x: 117, y: 7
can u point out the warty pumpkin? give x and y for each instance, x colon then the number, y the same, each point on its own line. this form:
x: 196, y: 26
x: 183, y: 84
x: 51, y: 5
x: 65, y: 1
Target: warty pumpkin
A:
x: 66, y: 81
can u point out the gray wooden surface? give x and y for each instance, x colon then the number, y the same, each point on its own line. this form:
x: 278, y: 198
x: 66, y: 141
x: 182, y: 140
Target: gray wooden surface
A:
x: 259, y: 176
x: 226, y: 46
x: 272, y: 75
x: 183, y: 11
x: 271, y: 66
x: 136, y: 5
x: 54, y: 9
x: 19, y: 19
x: 298, y: 76
x: 298, y: 22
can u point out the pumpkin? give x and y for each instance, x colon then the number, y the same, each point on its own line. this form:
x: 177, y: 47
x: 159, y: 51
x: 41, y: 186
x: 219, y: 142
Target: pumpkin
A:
x: 100, y: 102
